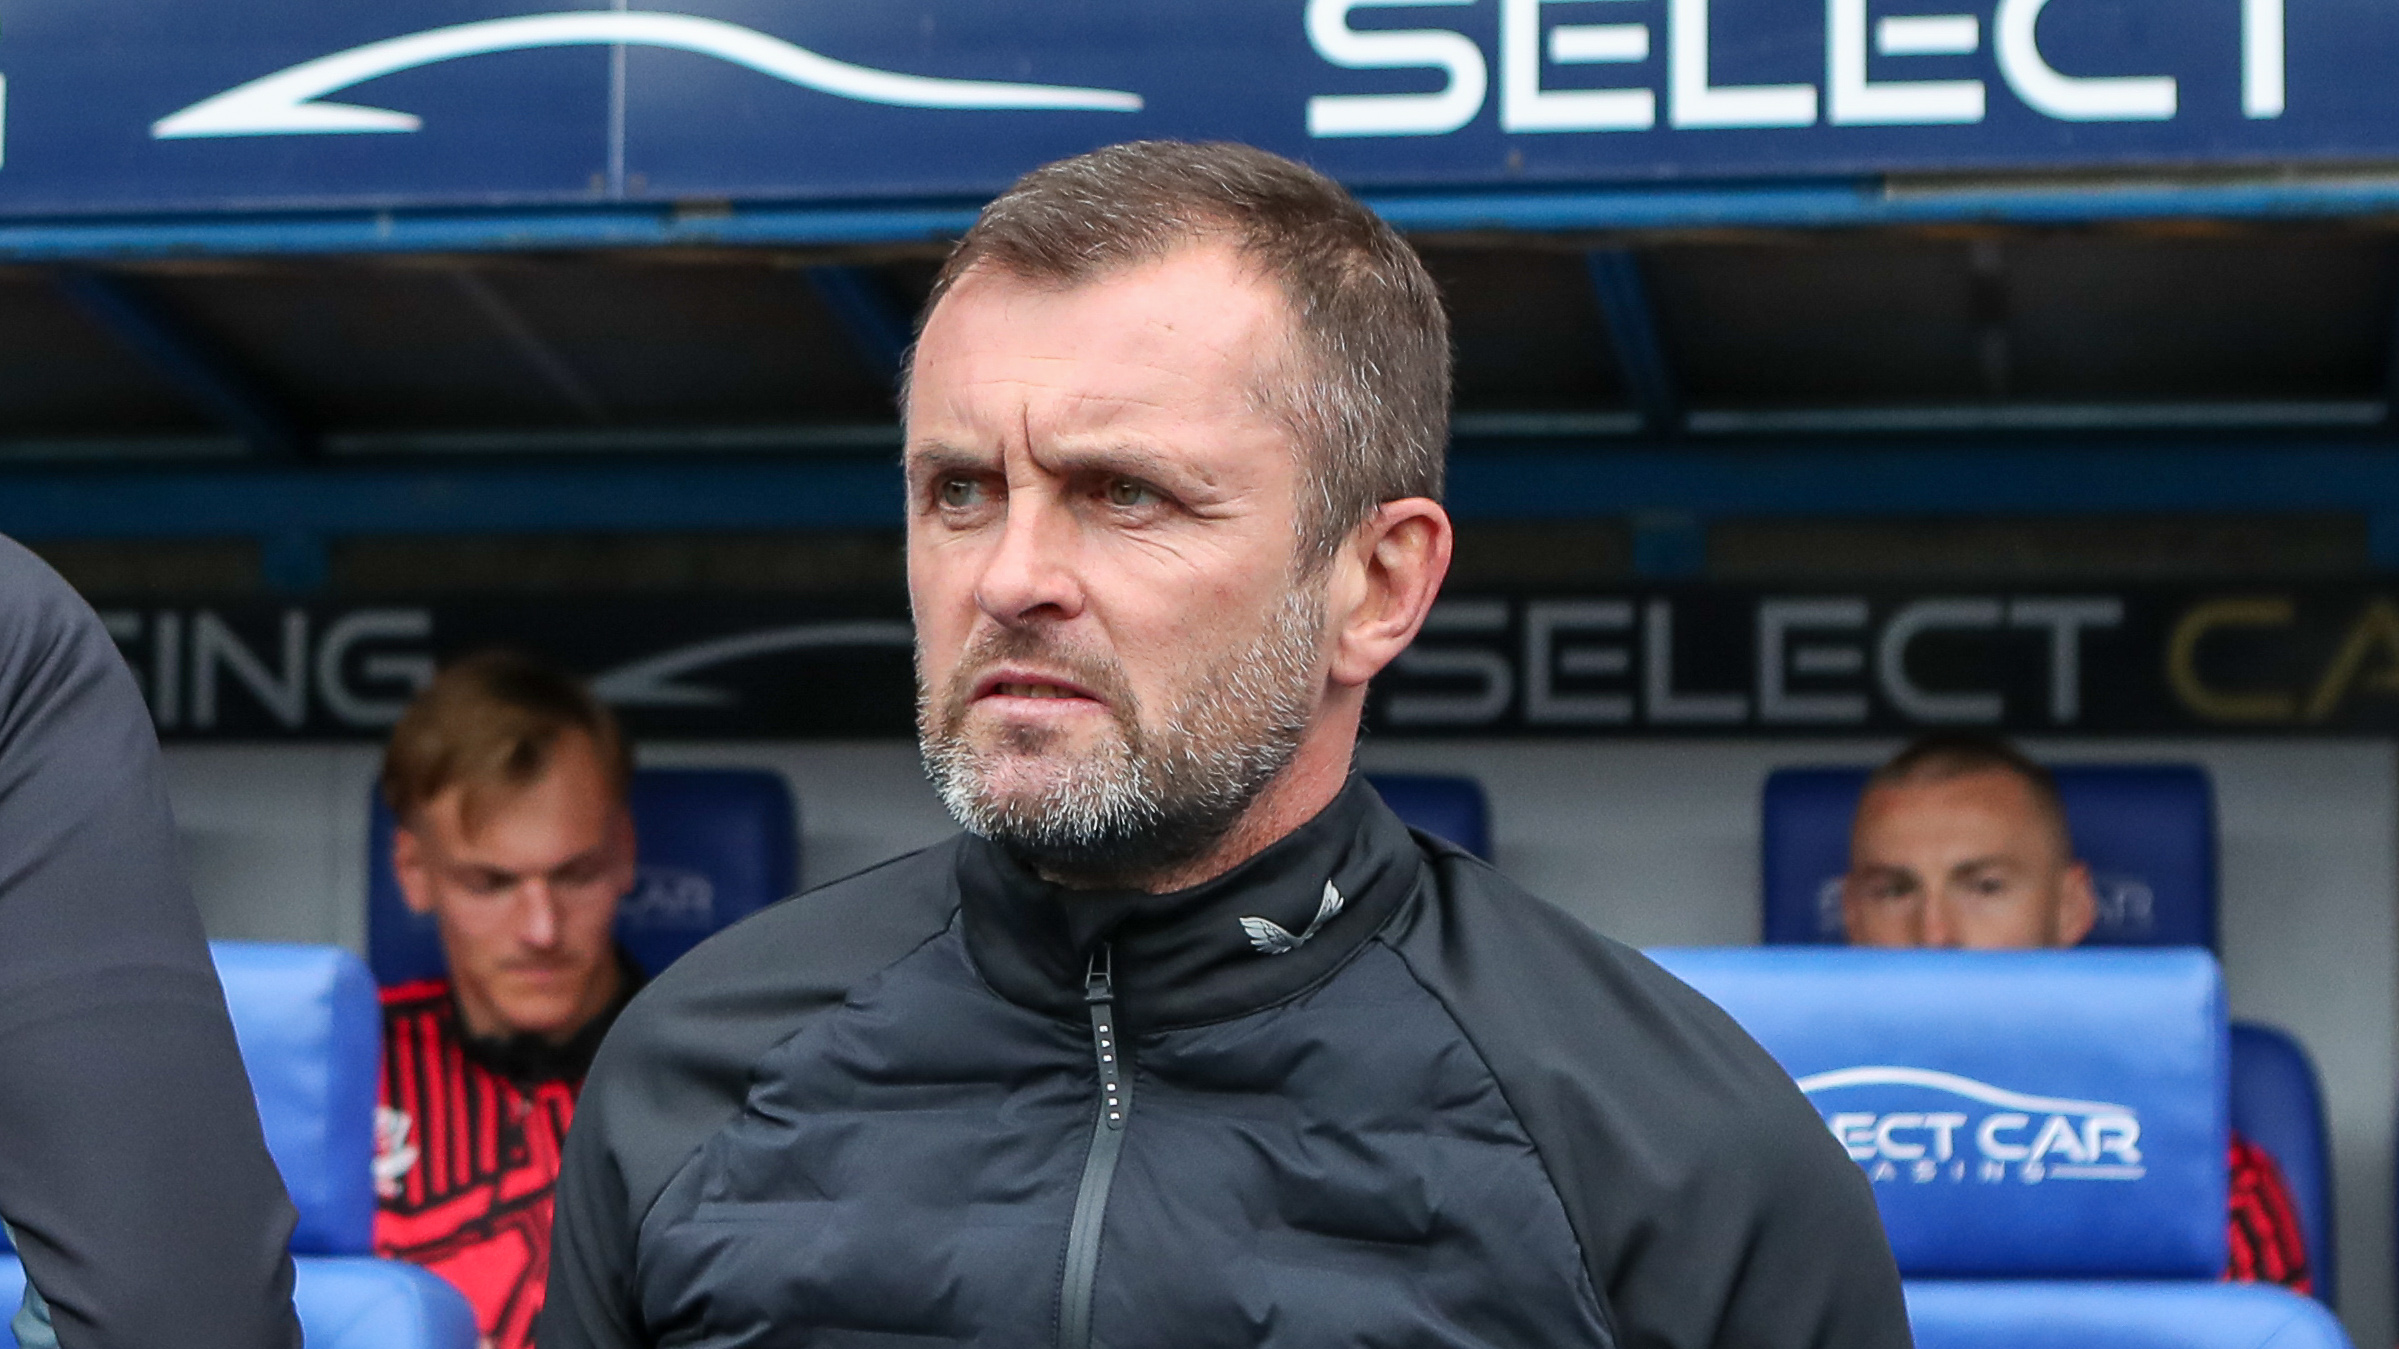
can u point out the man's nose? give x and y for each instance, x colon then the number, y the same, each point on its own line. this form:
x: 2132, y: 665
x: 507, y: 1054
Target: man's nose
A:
x: 1940, y: 923
x: 537, y: 914
x: 1031, y: 573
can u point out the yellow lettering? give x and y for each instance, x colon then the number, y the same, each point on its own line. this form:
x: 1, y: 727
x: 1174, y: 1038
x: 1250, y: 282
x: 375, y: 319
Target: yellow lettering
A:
x: 2182, y: 665
x: 2376, y: 630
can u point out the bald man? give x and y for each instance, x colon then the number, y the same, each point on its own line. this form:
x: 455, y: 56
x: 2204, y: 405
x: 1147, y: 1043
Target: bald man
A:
x: 1962, y: 842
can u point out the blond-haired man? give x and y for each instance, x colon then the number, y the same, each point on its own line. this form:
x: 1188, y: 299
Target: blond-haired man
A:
x: 507, y: 782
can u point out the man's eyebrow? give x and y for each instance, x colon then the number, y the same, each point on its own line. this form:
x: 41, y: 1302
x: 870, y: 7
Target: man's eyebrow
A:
x: 1129, y: 460
x: 1983, y: 863
x: 596, y: 852
x: 935, y: 458
x: 1884, y: 871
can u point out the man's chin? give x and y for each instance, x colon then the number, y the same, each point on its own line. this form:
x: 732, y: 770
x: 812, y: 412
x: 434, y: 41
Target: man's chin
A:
x: 551, y: 1016
x: 1015, y: 757
x: 1023, y: 785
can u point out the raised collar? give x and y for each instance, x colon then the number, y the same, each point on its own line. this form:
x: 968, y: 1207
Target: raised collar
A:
x: 1201, y: 954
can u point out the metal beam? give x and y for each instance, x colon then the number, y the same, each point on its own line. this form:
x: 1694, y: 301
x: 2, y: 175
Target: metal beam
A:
x: 535, y: 350
x: 1526, y: 481
x: 328, y: 500
x: 878, y: 326
x: 1633, y: 330
x: 1804, y: 204
x: 192, y: 362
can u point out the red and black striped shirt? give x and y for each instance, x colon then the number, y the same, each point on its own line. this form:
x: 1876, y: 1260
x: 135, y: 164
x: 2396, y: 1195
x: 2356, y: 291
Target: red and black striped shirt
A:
x: 466, y: 1158
x: 2266, y: 1243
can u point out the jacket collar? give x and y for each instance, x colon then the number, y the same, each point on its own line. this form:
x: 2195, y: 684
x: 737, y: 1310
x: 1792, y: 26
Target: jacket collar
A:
x: 1252, y: 937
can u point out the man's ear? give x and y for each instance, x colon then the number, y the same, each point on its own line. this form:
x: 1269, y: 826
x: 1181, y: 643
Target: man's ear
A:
x: 409, y: 869
x: 2077, y: 906
x: 1390, y: 572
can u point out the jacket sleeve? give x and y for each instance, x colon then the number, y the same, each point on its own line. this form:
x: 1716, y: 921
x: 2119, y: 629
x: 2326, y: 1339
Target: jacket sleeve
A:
x: 589, y: 1302
x: 135, y: 1176
x: 1714, y: 1209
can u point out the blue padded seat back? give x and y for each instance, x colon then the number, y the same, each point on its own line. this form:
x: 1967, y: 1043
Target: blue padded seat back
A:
x: 2148, y: 832
x: 1450, y: 808
x: 2010, y: 1315
x: 716, y: 845
x: 2278, y: 1104
x: 2020, y: 1115
x: 311, y: 1033
x: 345, y: 1302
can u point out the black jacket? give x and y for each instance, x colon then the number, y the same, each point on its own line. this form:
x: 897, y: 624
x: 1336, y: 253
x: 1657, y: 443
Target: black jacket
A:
x: 944, y: 1102
x: 132, y: 1166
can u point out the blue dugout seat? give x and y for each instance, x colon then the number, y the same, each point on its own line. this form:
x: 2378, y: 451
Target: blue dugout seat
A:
x: 716, y: 844
x: 1977, y: 1315
x: 2278, y: 1104
x: 2148, y: 833
x: 1450, y: 808
x: 2044, y: 1133
x: 311, y: 1038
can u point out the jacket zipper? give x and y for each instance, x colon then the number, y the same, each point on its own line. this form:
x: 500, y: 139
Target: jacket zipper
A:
x: 1099, y: 1168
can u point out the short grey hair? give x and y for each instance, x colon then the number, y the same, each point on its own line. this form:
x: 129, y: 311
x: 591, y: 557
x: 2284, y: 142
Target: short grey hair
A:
x: 1369, y: 399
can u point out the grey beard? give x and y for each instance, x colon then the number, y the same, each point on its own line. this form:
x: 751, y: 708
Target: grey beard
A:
x: 1148, y: 799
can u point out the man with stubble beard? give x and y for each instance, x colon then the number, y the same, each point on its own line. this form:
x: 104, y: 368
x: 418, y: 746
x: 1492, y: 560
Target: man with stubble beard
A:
x: 1186, y: 1040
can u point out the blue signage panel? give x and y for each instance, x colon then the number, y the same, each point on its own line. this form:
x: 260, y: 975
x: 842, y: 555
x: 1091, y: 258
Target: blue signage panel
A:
x: 136, y: 106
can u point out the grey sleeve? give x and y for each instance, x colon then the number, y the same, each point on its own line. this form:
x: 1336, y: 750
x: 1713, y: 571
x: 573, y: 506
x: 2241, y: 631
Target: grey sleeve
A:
x: 588, y: 1304
x: 1714, y: 1209
x: 132, y: 1167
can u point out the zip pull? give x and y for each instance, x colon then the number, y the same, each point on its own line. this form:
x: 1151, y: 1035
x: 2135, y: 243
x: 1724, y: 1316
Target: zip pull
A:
x: 1099, y: 994
x: 1099, y: 1165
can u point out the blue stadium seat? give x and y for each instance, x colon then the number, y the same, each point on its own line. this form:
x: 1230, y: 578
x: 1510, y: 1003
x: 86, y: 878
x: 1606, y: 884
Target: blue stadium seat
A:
x: 2278, y: 1104
x: 716, y: 844
x: 2148, y: 832
x: 2044, y: 1133
x: 2023, y: 1115
x: 1450, y: 808
x: 1995, y: 1315
x: 311, y: 1034
x: 345, y: 1302
x: 311, y: 1038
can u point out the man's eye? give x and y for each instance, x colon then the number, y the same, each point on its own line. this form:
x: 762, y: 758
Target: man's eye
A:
x: 1129, y: 493
x: 956, y: 493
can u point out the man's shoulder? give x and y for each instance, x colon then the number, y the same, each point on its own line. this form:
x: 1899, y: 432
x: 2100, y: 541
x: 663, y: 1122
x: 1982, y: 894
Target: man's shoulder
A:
x: 1539, y: 990
x: 1479, y: 923
x: 799, y: 952
x: 54, y: 652
x: 31, y: 590
x: 676, y: 1064
x: 1709, y: 1197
